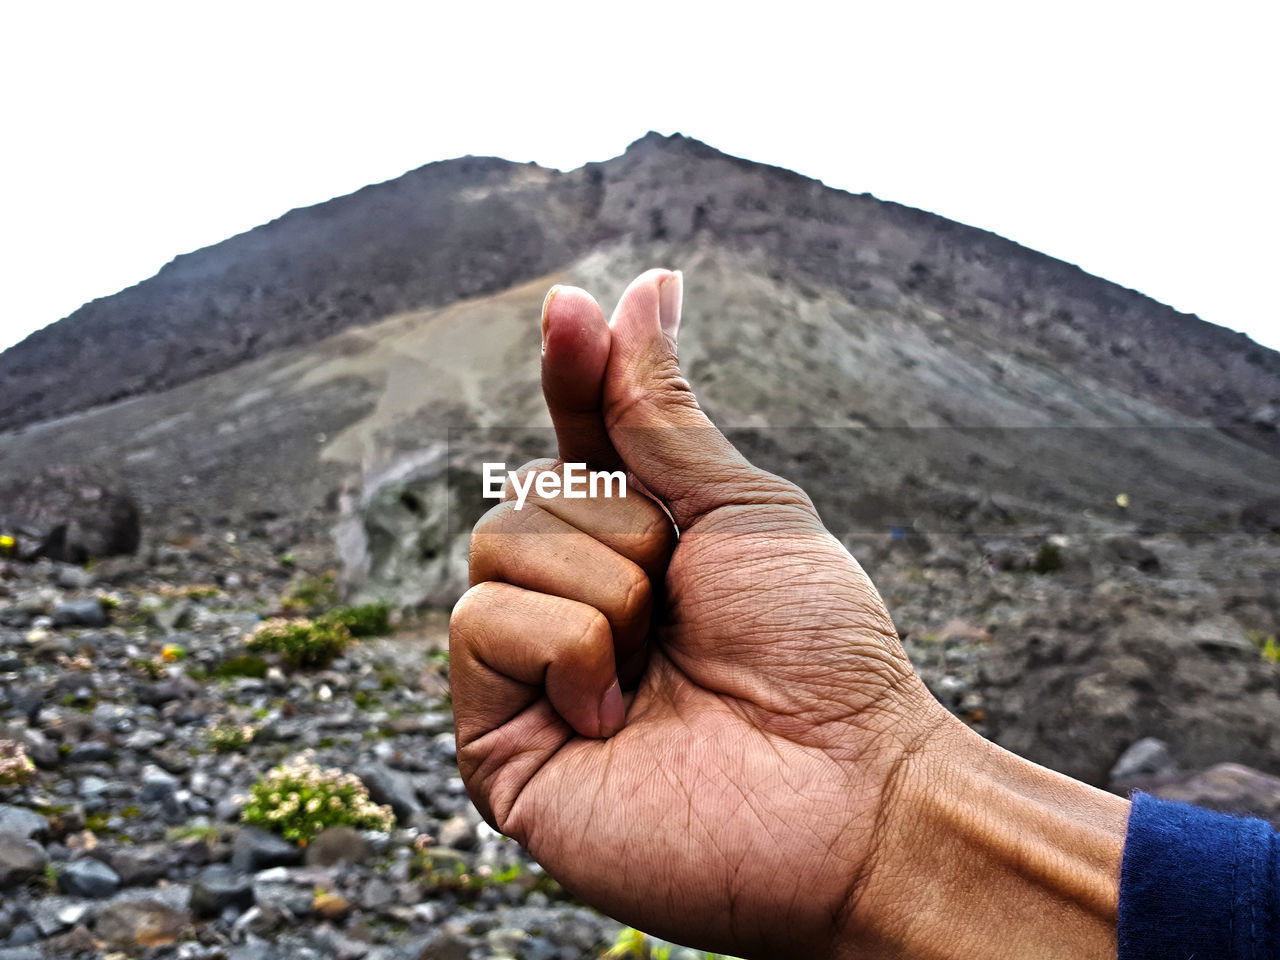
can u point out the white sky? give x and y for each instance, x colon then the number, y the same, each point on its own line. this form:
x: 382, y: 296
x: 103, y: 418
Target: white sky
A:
x: 1138, y: 140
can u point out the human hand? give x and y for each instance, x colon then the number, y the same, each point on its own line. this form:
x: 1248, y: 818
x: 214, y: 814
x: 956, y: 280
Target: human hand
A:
x: 755, y: 797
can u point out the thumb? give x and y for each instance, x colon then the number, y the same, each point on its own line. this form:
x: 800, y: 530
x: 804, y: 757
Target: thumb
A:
x: 653, y: 418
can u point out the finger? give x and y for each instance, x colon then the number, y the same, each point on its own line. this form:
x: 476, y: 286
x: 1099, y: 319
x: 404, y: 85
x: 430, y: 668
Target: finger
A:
x: 653, y: 418
x: 536, y: 550
x: 634, y: 526
x: 575, y: 350
x: 509, y: 647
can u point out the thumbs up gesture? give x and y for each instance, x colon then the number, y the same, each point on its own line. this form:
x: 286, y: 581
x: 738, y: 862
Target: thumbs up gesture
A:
x: 690, y: 703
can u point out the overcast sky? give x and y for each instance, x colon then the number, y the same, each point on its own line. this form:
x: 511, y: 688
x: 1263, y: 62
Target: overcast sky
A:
x: 1136, y: 140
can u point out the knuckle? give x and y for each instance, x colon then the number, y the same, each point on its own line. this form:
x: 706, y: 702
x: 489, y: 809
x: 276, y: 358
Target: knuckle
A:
x: 654, y: 544
x: 637, y: 596
x: 493, y: 519
x: 470, y: 607
x: 594, y: 642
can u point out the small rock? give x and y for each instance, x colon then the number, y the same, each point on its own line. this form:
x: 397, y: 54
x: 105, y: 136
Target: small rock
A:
x: 80, y: 613
x: 90, y: 751
x: 1148, y: 757
x: 445, y: 946
x: 88, y: 878
x: 377, y: 894
x: 331, y: 906
x: 338, y: 845
x: 157, y: 784
x: 22, y: 822
x: 1228, y: 787
x: 393, y: 788
x: 20, y: 860
x: 256, y: 850
x: 218, y: 888
x: 139, y: 923
x: 144, y: 739
x: 70, y: 577
x: 457, y: 832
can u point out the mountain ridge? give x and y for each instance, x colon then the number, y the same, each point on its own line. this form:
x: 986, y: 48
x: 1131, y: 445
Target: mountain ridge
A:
x: 473, y: 225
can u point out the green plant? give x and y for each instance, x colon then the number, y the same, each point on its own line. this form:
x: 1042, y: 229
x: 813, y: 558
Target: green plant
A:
x: 365, y: 620
x: 631, y: 944
x: 16, y: 767
x: 312, y: 595
x: 230, y: 737
x: 1048, y: 558
x: 245, y: 665
x: 302, y: 643
x: 298, y: 799
x: 1267, y: 645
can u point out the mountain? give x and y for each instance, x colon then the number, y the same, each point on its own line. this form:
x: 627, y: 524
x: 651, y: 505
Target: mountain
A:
x: 264, y: 371
x: 963, y: 411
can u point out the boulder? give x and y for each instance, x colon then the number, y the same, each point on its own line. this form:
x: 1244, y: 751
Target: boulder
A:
x: 403, y: 537
x: 1228, y: 787
x: 69, y: 514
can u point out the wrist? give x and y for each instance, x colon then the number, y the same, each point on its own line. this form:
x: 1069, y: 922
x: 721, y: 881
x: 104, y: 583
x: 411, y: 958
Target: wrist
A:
x: 983, y: 853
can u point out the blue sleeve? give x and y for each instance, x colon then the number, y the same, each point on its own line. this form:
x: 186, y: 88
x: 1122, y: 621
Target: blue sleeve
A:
x: 1198, y: 885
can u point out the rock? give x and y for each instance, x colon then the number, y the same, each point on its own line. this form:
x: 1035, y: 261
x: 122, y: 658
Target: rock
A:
x: 70, y: 577
x: 144, y: 740
x: 256, y: 850
x: 157, y: 784
x: 139, y: 923
x: 282, y: 897
x: 377, y: 894
x: 42, y: 753
x: 457, y: 832
x: 403, y: 538
x: 331, y: 906
x: 338, y: 845
x: 218, y: 888
x: 1073, y: 690
x: 140, y: 864
x: 80, y: 613
x: 22, y: 822
x: 175, y: 617
x: 20, y: 860
x: 445, y: 946
x: 90, y: 751
x: 21, y: 953
x: 77, y: 942
x: 1128, y: 552
x: 393, y: 788
x: 1228, y: 787
x: 71, y: 514
x: 1148, y: 757
x: 88, y: 878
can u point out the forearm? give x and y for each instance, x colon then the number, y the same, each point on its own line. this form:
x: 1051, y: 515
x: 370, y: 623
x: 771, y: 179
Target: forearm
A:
x: 991, y: 856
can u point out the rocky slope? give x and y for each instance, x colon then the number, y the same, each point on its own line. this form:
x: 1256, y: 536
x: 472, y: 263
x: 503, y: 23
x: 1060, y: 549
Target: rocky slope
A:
x: 461, y: 228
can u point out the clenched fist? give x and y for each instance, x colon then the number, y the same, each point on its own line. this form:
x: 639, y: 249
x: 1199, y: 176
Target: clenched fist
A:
x: 691, y: 706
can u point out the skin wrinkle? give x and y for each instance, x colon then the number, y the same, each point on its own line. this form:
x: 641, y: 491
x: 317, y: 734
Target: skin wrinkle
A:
x: 777, y: 707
